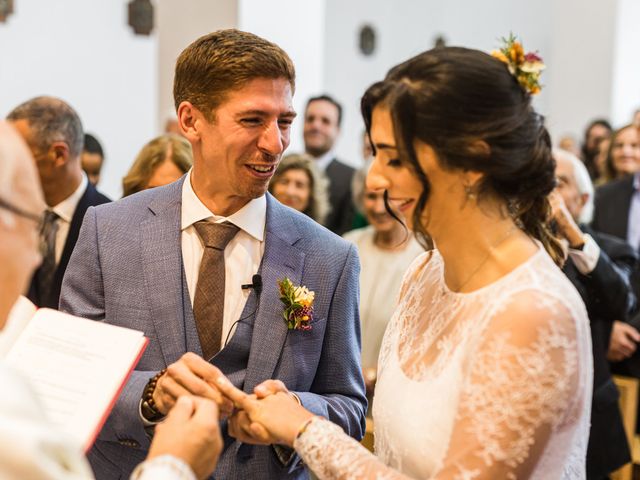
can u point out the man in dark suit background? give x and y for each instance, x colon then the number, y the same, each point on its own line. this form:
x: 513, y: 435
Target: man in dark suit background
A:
x: 617, y: 209
x: 617, y: 213
x: 322, y: 120
x: 54, y: 134
x: 599, y: 266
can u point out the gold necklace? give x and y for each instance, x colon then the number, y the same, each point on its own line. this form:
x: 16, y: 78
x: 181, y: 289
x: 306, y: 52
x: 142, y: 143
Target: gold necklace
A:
x: 486, y: 258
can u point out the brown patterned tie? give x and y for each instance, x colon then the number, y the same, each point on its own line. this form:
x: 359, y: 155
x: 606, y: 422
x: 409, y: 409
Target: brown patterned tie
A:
x: 208, y: 303
x: 47, y: 270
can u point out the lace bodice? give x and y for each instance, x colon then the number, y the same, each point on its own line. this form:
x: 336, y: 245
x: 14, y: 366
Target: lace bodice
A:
x: 491, y: 384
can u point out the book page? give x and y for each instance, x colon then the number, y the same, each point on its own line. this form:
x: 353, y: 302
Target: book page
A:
x: 21, y: 312
x: 77, y: 368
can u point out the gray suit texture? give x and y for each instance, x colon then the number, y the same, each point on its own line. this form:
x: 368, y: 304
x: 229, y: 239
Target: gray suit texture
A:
x: 127, y: 270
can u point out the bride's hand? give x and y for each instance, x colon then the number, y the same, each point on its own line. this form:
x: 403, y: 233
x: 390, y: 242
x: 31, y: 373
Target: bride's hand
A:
x: 277, y: 415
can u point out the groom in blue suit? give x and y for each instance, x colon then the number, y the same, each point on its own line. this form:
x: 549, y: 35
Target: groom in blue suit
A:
x: 196, y: 266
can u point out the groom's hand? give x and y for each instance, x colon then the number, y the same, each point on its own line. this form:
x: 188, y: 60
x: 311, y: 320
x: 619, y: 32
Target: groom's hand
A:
x: 191, y: 375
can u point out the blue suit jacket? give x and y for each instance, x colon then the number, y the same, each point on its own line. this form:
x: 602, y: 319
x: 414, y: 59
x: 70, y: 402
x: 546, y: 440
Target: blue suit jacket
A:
x: 127, y: 270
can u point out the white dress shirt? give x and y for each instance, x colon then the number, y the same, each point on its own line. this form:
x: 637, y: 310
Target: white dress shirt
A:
x: 323, y: 161
x: 65, y: 210
x: 633, y: 233
x: 586, y: 259
x: 242, y: 256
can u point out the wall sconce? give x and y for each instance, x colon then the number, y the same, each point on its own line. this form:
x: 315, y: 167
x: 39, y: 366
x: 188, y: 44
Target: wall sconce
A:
x: 6, y: 9
x: 140, y: 16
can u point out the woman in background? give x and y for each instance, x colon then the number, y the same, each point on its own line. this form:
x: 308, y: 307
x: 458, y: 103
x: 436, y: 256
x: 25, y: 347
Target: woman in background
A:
x: 298, y: 184
x: 624, y: 153
x: 386, y: 249
x: 160, y: 162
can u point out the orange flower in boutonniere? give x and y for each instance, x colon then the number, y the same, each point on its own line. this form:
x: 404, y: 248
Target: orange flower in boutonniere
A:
x: 298, y: 303
x: 526, y: 67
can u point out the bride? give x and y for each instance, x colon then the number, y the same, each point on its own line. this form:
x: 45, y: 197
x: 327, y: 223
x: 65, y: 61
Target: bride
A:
x: 485, y: 369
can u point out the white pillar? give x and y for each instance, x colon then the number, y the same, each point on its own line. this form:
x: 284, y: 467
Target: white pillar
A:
x: 626, y: 64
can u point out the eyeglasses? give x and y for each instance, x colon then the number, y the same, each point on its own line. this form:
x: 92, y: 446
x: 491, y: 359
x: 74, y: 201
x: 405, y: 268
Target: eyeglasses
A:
x: 37, y: 219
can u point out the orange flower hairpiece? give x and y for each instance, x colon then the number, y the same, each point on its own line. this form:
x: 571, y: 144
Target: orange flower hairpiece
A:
x: 526, y: 67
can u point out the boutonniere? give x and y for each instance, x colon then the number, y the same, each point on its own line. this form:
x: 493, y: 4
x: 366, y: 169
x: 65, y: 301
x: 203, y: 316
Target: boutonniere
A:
x: 298, y: 305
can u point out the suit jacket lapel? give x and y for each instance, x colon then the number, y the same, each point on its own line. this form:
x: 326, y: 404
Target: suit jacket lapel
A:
x: 89, y: 198
x: 160, y: 244
x: 281, y: 259
x: 85, y: 202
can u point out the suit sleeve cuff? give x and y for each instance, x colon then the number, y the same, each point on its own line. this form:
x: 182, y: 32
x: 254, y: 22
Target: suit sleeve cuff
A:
x: 164, y: 467
x: 586, y: 259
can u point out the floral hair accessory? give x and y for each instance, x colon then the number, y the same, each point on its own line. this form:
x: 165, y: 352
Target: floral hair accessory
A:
x: 298, y: 305
x: 526, y: 67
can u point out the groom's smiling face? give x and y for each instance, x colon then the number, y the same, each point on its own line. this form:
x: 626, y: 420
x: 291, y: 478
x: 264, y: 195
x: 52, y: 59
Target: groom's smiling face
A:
x: 242, y: 145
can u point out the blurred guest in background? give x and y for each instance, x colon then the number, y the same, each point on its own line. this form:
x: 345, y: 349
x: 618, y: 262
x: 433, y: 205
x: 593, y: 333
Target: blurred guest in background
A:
x: 53, y: 132
x: 359, y: 181
x: 569, y: 144
x: 623, y: 157
x: 161, y: 161
x: 171, y: 125
x: 597, y: 131
x: 322, y: 120
x: 601, y: 175
x: 92, y: 158
x: 298, y: 184
x: 599, y: 266
x: 386, y: 248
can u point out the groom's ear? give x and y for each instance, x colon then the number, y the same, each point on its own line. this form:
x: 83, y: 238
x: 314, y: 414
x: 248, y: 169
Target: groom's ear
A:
x: 191, y: 121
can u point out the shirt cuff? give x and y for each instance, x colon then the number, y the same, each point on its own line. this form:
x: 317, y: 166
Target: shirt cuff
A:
x: 586, y: 259
x: 164, y: 467
x: 145, y: 422
x: 296, y: 397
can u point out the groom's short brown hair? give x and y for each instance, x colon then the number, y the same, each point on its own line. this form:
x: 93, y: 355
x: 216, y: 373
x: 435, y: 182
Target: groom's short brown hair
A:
x: 220, y: 62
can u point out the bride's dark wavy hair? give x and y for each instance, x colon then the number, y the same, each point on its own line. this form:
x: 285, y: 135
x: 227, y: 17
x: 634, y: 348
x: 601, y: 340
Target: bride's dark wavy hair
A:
x: 451, y: 98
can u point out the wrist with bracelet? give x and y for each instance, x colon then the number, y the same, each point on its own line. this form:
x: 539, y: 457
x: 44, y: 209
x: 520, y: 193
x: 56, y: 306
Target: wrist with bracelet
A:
x: 304, y: 426
x: 148, y: 406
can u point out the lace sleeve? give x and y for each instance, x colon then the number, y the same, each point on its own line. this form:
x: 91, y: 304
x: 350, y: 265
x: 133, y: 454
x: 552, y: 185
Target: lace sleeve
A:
x: 523, y: 384
x: 332, y: 455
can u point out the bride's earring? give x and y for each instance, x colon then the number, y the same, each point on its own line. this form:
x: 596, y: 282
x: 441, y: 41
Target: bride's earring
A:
x: 471, y: 194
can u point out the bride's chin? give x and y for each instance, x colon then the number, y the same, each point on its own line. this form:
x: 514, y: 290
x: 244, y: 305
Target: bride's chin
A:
x: 409, y: 221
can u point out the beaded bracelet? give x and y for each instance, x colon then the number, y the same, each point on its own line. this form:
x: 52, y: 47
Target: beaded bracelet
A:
x: 148, y: 406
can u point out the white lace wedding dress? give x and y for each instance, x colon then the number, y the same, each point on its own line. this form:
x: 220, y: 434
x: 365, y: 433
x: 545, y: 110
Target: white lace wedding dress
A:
x: 492, y: 384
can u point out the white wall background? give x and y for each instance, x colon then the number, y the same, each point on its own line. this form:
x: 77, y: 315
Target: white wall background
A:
x: 580, y: 63
x: 84, y: 52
